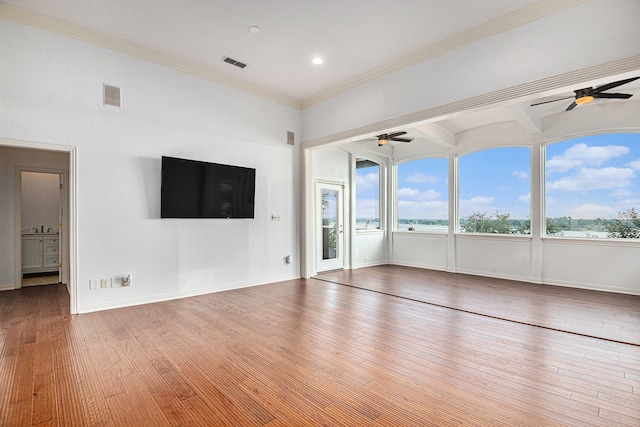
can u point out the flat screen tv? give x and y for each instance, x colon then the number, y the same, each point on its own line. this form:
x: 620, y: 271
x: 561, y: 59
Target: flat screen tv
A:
x: 195, y: 189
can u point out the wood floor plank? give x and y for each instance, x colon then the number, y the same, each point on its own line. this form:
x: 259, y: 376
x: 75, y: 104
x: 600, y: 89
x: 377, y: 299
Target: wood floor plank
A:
x: 372, y: 347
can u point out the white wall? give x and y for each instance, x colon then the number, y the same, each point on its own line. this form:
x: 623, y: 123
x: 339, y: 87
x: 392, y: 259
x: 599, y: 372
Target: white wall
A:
x: 54, y: 85
x: 422, y: 250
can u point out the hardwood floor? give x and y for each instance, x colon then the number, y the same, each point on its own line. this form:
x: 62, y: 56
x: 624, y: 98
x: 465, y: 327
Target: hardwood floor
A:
x: 39, y: 280
x: 315, y: 352
x: 609, y: 316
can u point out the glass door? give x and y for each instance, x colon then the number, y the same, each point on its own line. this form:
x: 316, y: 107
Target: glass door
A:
x: 330, y: 227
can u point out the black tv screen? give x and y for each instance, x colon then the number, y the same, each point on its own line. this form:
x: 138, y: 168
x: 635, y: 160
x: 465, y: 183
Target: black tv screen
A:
x: 195, y: 189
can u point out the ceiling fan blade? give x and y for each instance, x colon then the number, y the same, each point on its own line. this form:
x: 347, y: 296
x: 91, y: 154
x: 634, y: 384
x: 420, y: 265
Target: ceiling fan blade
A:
x: 553, y: 100
x: 572, y: 106
x: 614, y: 84
x: 402, y: 139
x: 393, y: 135
x: 613, y: 95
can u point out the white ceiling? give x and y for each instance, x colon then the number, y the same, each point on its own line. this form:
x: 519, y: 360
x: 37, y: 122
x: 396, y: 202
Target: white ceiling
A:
x: 354, y: 37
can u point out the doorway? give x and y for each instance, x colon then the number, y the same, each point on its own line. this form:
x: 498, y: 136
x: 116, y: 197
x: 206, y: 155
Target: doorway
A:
x: 18, y: 156
x: 330, y: 227
x: 40, y: 222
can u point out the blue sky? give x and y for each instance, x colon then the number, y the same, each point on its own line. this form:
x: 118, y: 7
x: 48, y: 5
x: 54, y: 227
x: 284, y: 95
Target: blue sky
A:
x: 496, y: 180
x: 367, y: 192
x: 594, y: 176
x: 422, y: 189
x: 588, y: 177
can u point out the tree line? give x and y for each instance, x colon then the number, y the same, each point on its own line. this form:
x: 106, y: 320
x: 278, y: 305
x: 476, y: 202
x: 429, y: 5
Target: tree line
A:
x: 625, y: 226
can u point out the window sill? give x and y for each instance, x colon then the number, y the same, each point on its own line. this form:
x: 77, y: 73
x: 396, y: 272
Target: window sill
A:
x: 373, y: 231
x: 591, y: 241
x: 494, y: 236
x: 421, y: 233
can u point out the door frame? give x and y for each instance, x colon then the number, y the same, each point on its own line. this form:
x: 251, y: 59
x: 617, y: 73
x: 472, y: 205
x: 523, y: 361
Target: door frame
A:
x: 69, y: 229
x: 340, y: 222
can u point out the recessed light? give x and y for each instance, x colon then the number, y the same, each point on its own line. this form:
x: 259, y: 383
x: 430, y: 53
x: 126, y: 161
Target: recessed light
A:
x: 317, y: 60
x: 254, y: 30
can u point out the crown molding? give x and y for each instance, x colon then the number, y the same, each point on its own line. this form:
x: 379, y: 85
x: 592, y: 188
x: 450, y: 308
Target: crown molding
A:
x: 523, y: 91
x: 23, y: 16
x: 499, y: 25
x: 504, y: 23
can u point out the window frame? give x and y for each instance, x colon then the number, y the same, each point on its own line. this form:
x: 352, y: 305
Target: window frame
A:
x: 457, y: 215
x: 396, y: 214
x: 381, y: 195
x: 605, y: 240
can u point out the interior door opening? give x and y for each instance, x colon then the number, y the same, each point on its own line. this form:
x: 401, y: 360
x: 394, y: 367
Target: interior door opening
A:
x: 40, y: 221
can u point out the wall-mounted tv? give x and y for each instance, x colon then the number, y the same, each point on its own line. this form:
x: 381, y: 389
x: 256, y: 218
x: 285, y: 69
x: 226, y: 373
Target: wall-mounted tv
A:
x: 195, y: 189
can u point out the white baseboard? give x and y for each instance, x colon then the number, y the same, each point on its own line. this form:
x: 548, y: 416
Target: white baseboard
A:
x: 175, y: 295
x: 591, y: 287
x: 364, y: 265
x: 7, y: 287
x: 566, y: 284
x: 497, y: 276
x: 426, y: 267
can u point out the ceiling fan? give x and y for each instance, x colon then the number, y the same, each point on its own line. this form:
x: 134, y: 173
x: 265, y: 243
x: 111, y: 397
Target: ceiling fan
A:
x: 587, y: 95
x: 396, y: 136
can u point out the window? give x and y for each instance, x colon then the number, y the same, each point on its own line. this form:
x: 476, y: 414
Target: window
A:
x: 422, y: 197
x: 591, y: 189
x: 367, y: 195
x: 494, y: 191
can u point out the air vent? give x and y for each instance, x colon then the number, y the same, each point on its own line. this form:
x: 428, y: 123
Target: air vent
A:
x: 234, y: 62
x: 111, y: 95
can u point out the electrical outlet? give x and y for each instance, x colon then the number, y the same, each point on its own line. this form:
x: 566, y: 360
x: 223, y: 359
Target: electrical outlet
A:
x: 116, y: 282
x: 93, y: 284
x: 275, y: 217
x: 104, y: 283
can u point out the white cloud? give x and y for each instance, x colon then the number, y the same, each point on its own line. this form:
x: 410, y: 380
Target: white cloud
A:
x: 408, y: 193
x: 421, y: 178
x: 635, y: 164
x: 628, y: 203
x: 413, y: 194
x: 525, y: 198
x: 621, y: 193
x: 588, y: 179
x: 581, y: 155
x: 480, y: 200
x: 367, y: 208
x: 592, y: 211
x: 366, y: 181
x: 521, y: 174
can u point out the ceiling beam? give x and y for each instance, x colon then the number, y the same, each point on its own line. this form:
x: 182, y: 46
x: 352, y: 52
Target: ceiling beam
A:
x: 437, y: 133
x: 524, y: 114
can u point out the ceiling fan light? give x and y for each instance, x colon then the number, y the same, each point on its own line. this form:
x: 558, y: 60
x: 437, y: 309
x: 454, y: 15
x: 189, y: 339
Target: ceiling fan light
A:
x: 584, y: 100
x: 382, y: 141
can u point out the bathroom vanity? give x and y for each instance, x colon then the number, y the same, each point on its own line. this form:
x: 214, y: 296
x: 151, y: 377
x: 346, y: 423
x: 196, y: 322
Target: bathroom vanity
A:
x: 40, y: 252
